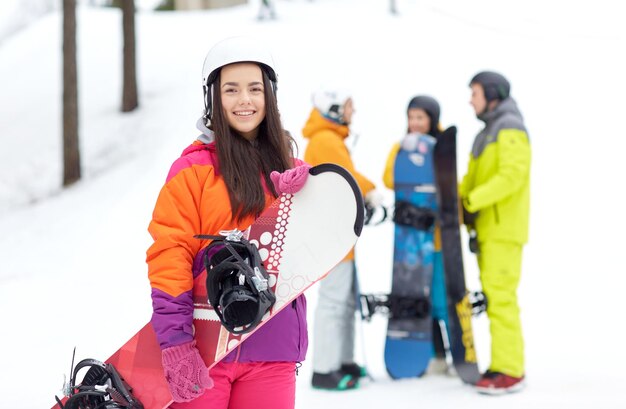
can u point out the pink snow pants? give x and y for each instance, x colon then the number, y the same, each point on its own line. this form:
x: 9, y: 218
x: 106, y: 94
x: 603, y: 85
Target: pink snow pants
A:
x: 258, y: 385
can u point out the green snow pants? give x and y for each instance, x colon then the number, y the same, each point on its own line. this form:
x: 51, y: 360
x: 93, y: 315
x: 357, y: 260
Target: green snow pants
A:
x: 500, y: 265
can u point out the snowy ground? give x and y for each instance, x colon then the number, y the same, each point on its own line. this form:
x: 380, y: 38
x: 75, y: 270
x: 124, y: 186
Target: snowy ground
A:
x: 72, y: 270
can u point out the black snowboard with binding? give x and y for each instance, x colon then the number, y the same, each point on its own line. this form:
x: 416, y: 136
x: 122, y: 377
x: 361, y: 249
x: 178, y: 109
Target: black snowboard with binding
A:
x: 460, y: 306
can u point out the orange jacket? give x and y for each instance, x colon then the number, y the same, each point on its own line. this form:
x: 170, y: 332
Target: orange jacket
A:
x: 327, y: 145
x: 194, y: 200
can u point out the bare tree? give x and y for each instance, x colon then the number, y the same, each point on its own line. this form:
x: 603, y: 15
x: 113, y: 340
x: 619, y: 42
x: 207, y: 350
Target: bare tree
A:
x: 129, y: 88
x: 71, y: 150
x: 267, y: 10
x: 393, y: 9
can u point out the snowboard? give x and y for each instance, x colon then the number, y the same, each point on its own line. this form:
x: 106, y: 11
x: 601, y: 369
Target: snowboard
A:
x: 300, y: 238
x: 459, y: 321
x: 408, y: 344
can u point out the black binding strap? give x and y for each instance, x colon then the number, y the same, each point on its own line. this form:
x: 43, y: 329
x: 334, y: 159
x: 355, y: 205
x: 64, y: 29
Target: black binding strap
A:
x: 237, y: 283
x: 420, y: 218
x: 102, y: 387
x: 409, y: 307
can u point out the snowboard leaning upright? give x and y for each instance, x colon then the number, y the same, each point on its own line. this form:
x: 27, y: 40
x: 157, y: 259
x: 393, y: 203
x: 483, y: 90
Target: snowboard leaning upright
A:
x: 300, y: 238
x: 408, y: 345
x: 459, y: 307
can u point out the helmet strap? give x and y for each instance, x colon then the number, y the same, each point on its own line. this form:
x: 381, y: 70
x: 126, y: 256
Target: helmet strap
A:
x: 207, y: 88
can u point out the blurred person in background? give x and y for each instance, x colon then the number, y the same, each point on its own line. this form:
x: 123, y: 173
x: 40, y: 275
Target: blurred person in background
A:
x: 333, y: 349
x: 423, y: 114
x: 495, y: 194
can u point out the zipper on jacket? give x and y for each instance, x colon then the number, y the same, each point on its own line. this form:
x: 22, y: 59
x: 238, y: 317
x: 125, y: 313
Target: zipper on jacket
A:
x: 294, y: 305
x: 495, y: 211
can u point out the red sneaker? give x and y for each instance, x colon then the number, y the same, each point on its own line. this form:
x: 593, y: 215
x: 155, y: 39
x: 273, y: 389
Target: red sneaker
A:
x: 497, y: 383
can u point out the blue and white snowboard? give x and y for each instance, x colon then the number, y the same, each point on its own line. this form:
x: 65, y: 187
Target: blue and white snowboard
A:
x: 408, y: 347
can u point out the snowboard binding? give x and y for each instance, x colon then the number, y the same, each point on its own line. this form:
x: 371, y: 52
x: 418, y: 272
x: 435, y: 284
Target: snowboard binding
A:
x: 473, y: 242
x: 237, y: 282
x: 395, y: 306
x: 102, y: 387
x: 370, y: 211
x: 478, y: 302
x: 420, y: 218
x: 371, y: 304
x: 409, y: 307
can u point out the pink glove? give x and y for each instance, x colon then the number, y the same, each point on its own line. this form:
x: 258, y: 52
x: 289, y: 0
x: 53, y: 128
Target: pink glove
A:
x: 185, y: 372
x: 291, y: 180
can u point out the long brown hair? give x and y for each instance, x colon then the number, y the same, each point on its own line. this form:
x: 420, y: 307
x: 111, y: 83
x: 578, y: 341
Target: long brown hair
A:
x: 241, y: 161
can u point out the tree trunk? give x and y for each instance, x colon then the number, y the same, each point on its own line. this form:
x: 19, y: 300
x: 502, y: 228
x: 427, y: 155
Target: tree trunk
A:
x: 392, y: 7
x: 71, y: 149
x: 129, y: 87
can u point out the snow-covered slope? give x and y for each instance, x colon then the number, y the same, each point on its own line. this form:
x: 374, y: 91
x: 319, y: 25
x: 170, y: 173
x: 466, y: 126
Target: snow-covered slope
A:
x: 72, y: 269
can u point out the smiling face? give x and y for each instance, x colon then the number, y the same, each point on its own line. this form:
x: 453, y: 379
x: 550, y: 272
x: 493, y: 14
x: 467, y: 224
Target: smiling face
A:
x: 419, y: 121
x: 243, y: 97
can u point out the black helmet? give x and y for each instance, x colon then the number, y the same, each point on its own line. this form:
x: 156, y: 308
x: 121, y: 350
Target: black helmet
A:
x: 494, y: 85
x: 237, y: 283
x: 430, y: 106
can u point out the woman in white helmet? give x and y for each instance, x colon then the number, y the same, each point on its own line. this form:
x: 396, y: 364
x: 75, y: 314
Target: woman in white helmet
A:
x: 222, y: 181
x: 333, y: 355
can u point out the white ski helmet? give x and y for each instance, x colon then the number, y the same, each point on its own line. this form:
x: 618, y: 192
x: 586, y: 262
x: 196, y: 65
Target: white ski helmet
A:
x: 329, y: 102
x: 229, y: 51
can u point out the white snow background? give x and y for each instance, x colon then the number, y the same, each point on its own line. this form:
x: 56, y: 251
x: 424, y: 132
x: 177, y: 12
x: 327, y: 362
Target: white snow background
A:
x: 72, y: 269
